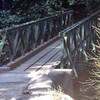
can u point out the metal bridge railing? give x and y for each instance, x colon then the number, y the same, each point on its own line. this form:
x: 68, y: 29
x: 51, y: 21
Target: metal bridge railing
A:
x: 77, y: 39
x: 20, y: 39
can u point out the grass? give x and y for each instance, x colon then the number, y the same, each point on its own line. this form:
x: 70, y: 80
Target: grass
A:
x: 59, y: 94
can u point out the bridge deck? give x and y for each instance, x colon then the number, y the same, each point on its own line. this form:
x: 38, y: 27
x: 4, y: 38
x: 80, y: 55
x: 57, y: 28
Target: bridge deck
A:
x: 13, y: 83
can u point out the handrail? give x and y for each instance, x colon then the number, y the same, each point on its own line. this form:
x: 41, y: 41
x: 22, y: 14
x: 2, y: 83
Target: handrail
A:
x: 63, y: 33
x: 32, y: 22
x: 77, y: 39
x: 18, y: 40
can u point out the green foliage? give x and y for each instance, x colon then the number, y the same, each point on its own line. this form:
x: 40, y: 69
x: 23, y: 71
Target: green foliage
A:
x: 24, y: 11
x: 27, y: 10
x: 86, y: 2
x: 71, y: 2
x: 11, y: 19
x: 7, y: 19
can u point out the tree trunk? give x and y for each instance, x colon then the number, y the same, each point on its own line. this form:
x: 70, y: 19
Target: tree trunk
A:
x: 65, y: 4
x: 6, y: 4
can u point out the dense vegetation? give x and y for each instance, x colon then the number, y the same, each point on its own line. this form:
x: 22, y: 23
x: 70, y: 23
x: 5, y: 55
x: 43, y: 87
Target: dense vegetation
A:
x: 18, y: 11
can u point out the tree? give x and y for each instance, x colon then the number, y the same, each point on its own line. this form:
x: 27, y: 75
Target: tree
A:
x: 6, y: 4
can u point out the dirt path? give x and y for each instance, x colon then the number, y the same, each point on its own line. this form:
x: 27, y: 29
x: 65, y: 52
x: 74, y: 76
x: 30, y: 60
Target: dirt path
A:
x: 79, y: 87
